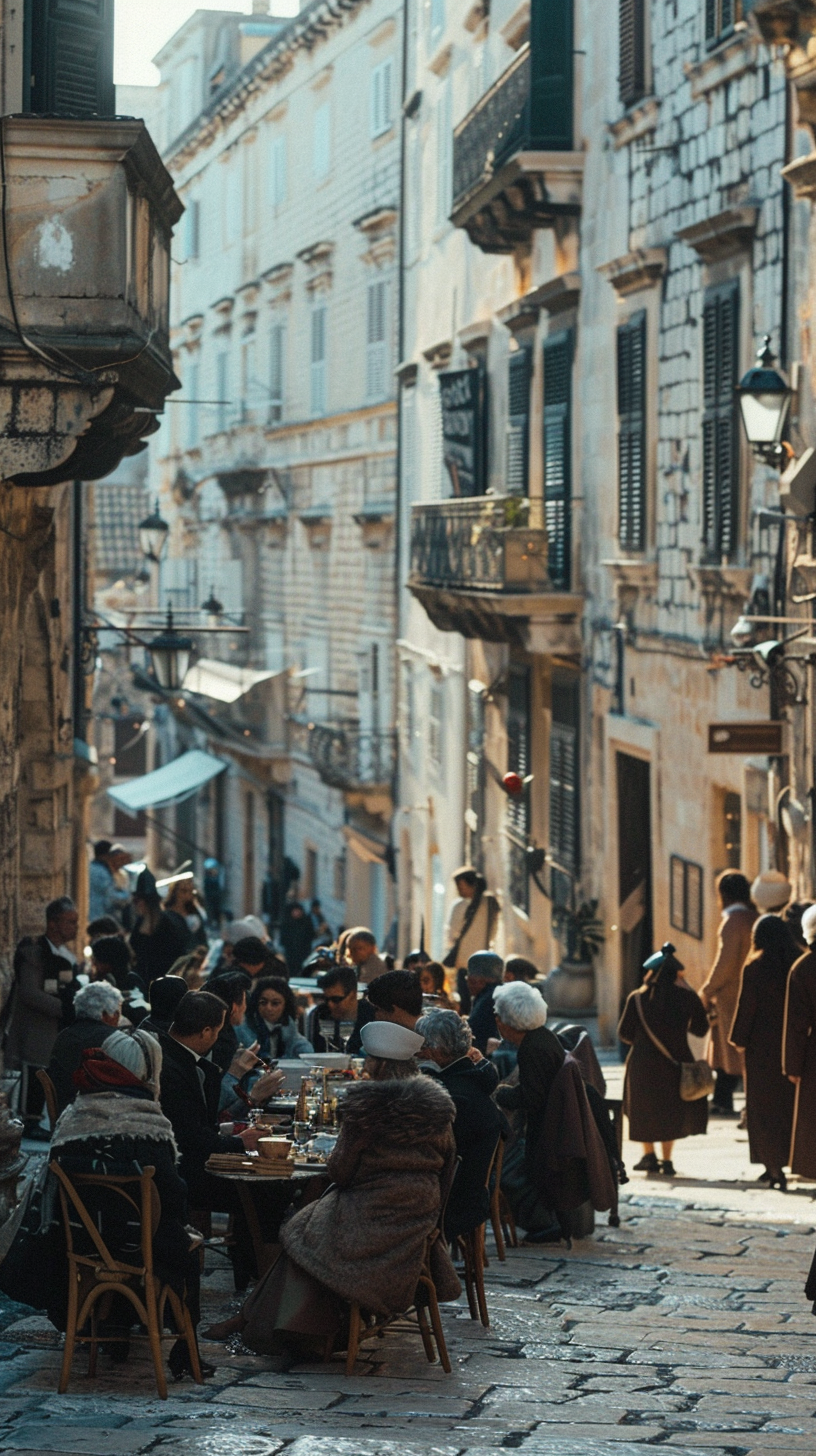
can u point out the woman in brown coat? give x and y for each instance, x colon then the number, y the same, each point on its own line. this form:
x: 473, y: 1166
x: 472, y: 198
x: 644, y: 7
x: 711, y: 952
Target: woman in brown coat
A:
x: 364, y: 1239
x: 757, y: 1030
x: 651, y: 1095
x: 799, y: 1051
x: 720, y: 993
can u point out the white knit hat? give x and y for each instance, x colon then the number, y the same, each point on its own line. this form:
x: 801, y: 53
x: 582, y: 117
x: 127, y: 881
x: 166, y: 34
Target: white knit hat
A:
x: 770, y: 891
x: 387, y: 1039
x: 137, y: 1052
x: 239, y: 929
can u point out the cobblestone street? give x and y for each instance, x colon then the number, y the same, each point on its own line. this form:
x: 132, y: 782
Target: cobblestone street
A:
x: 685, y: 1328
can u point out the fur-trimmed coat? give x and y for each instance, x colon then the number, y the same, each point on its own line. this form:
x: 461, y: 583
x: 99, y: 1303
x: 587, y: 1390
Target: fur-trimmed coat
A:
x: 365, y: 1238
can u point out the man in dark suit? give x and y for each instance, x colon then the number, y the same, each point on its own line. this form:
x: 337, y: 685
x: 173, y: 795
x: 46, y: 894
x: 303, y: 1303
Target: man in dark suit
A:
x: 41, y: 1004
x: 190, y: 1091
x: 470, y: 1079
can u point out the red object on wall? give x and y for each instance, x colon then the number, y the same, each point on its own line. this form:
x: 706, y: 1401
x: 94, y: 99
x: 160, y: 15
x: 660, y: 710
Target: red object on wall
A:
x: 513, y: 784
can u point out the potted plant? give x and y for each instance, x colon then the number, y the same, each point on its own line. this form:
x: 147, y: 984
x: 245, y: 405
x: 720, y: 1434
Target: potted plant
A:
x: 571, y: 986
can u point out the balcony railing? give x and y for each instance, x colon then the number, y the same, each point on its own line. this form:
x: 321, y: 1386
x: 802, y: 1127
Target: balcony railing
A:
x: 478, y: 544
x: 352, y: 758
x: 496, y: 128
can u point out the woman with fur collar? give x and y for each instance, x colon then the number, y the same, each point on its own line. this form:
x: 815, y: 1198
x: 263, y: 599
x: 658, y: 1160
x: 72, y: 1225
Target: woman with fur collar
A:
x: 116, y: 1126
x: 364, y: 1239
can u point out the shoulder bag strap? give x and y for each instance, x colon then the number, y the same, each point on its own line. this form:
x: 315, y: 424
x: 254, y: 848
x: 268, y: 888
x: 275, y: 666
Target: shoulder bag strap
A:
x: 470, y: 916
x: 648, y: 1030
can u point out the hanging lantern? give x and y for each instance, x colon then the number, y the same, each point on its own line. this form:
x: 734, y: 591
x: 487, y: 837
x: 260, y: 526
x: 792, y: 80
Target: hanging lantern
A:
x: 153, y: 534
x: 170, y: 655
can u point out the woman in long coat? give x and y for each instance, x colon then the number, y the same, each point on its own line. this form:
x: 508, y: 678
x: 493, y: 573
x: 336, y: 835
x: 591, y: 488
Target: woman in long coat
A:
x: 651, y: 1097
x: 799, y: 1051
x: 364, y: 1239
x: 757, y: 1030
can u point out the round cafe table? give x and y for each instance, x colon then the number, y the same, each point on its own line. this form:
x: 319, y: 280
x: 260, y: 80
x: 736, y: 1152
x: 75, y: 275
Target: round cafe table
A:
x: 265, y: 1200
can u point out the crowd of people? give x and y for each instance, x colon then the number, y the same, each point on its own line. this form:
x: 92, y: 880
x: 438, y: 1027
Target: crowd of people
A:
x: 162, y: 1042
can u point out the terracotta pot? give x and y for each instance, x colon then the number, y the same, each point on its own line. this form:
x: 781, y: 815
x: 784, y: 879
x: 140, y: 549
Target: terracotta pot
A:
x: 570, y: 987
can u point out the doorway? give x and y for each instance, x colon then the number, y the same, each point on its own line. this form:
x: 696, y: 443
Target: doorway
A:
x: 634, y: 868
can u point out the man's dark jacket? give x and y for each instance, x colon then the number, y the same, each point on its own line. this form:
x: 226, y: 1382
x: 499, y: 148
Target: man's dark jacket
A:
x: 86, y: 1031
x: 192, y: 1111
x: 476, y: 1130
x: 311, y: 1030
x: 482, y: 1019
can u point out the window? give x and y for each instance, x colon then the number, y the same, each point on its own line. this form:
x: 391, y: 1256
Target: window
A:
x: 436, y: 712
x: 557, y: 457
x: 444, y: 152
x: 277, y: 171
x: 248, y: 389
x: 563, y: 796
x: 192, y: 229
x: 317, y: 372
x: 632, y: 433
x: 309, y: 882
x: 376, y: 340
x: 475, y: 772
x: 277, y: 356
x: 720, y: 433
x: 232, y: 197
x: 686, y: 880
x: 222, y: 388
x: 518, y: 761
x: 339, y: 877
x: 632, y: 50
x: 720, y: 19
x: 381, y: 86
x: 321, y: 141
x: 436, y: 22
x: 71, y: 69
x: 413, y: 216
x: 191, y: 408
x: 518, y: 422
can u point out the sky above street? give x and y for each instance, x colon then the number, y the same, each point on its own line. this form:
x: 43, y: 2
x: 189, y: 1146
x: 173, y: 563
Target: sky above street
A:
x: 143, y: 26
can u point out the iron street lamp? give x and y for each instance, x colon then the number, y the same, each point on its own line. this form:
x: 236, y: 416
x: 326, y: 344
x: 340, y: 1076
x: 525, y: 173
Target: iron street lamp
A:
x: 764, y: 397
x: 170, y: 654
x: 212, y: 606
x: 153, y: 534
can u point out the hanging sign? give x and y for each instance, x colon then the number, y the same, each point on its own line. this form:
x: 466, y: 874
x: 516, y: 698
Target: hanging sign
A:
x: 745, y: 738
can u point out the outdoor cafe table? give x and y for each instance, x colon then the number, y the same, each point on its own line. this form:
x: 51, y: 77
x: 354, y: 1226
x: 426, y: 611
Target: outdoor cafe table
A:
x: 262, y: 1211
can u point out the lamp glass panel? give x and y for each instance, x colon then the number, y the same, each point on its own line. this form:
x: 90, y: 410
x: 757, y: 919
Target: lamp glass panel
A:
x: 763, y: 416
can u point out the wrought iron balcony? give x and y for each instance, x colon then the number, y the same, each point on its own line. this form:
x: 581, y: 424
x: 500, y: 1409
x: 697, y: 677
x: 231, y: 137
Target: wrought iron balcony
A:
x: 513, y: 164
x: 355, y: 759
x: 479, y: 568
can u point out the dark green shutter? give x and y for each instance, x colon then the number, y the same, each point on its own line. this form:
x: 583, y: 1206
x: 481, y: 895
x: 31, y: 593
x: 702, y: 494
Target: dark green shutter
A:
x: 551, y: 66
x: 632, y: 433
x: 720, y: 424
x: 632, y: 51
x: 518, y: 422
x: 518, y: 761
x: 557, y: 457
x: 563, y: 797
x: 70, y: 46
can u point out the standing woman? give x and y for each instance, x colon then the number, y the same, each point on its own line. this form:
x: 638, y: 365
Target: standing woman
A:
x: 156, y: 940
x: 757, y: 1031
x: 720, y: 993
x: 799, y: 1051
x: 651, y: 1097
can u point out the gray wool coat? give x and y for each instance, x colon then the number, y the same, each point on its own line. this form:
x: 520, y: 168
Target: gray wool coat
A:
x: 365, y: 1238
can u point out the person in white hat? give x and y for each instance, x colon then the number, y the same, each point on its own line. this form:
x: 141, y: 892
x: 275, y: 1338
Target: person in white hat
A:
x: 391, y: 1051
x: 771, y: 892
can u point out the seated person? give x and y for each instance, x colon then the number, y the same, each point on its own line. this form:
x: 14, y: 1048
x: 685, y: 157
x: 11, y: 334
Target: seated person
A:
x: 231, y: 987
x: 521, y: 1013
x: 253, y: 956
x: 339, y: 1003
x: 484, y: 973
x: 165, y: 993
x: 478, y: 1122
x: 396, y: 996
x: 97, y: 1006
x: 365, y: 1238
x: 271, y: 1020
x: 116, y: 1125
x: 432, y: 979
x: 111, y: 961
x: 190, y: 1094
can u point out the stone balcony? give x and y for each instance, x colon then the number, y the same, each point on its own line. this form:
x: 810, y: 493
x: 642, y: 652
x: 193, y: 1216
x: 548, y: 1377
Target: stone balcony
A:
x: 85, y: 362
x: 479, y: 568
x: 359, y: 761
x: 514, y: 169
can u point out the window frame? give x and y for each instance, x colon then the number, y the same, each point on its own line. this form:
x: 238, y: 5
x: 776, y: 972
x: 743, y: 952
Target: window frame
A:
x: 687, y: 888
x: 278, y: 170
x: 631, y: 337
x: 721, y: 449
x: 633, y: 51
x: 321, y: 142
x: 318, y: 393
x: 277, y: 331
x: 382, y: 98
x: 377, y: 293
x: 557, y: 422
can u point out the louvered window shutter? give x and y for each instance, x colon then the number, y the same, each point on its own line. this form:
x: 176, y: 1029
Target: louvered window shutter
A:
x: 518, y: 423
x: 720, y: 422
x: 557, y: 462
x: 632, y: 42
x: 376, y: 382
x: 632, y: 433
x: 71, y: 58
x: 518, y: 761
x: 563, y: 798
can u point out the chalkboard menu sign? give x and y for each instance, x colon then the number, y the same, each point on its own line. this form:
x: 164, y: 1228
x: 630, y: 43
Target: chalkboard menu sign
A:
x: 462, y: 393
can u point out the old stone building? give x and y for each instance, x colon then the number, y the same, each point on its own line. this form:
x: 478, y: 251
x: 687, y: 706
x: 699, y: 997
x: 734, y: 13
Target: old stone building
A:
x: 585, y: 515
x: 275, y: 469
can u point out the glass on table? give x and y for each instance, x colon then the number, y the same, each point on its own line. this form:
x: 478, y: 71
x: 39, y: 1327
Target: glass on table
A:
x: 346, y: 1032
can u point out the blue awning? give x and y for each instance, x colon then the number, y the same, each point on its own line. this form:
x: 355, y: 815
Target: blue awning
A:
x: 169, y: 784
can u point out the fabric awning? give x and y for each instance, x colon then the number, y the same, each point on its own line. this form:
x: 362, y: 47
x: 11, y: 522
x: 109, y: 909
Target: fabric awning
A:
x: 222, y: 680
x: 169, y: 784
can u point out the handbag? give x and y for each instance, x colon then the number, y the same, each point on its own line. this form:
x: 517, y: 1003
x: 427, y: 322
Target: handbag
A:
x: 696, y: 1078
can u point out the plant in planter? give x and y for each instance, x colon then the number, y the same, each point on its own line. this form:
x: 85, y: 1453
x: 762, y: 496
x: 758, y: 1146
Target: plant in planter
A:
x: 571, y: 986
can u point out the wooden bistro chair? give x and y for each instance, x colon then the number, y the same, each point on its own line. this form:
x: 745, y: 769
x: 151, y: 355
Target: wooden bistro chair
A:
x: 50, y: 1098
x: 472, y: 1248
x: 501, y: 1217
x: 96, y: 1275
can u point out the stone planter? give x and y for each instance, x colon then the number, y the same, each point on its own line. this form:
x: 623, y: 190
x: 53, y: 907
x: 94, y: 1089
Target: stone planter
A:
x: 570, y: 988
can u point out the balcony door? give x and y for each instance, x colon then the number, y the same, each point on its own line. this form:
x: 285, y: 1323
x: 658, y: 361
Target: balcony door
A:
x: 68, y: 68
